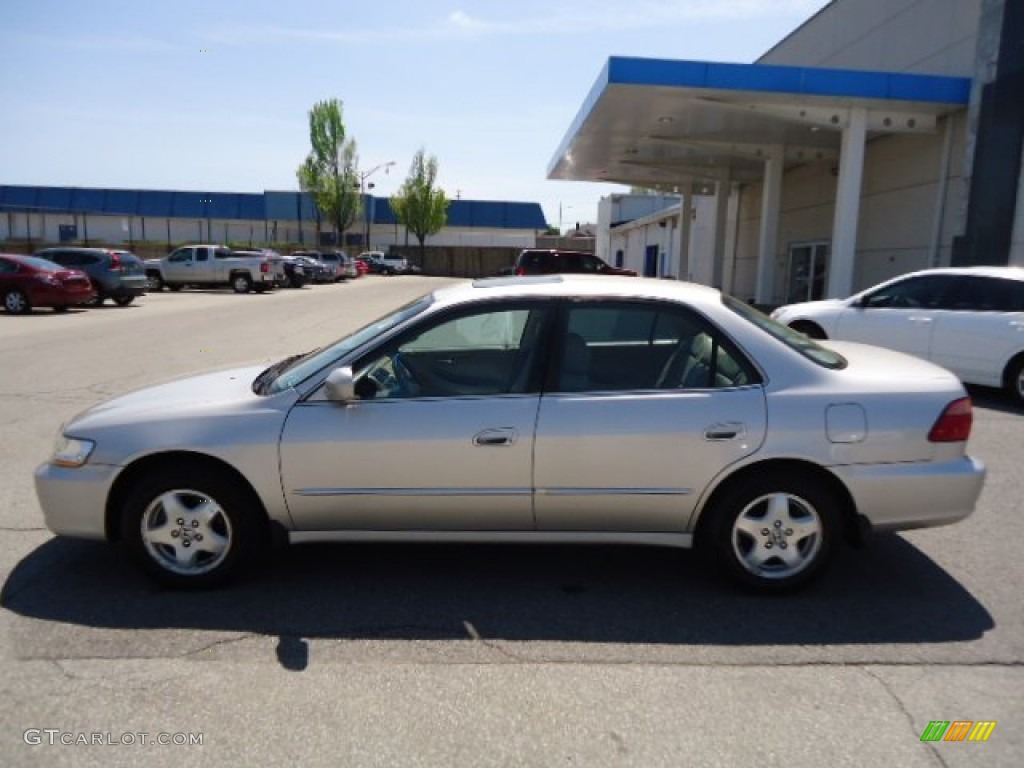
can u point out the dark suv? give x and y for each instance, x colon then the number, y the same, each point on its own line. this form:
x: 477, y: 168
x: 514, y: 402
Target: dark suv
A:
x: 537, y: 261
x: 115, y: 274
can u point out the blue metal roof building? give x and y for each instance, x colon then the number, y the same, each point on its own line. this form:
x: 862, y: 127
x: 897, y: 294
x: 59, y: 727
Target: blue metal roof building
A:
x: 266, y: 206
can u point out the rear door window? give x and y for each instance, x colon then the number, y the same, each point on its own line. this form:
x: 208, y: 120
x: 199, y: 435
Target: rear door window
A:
x: 976, y: 293
x: 621, y: 346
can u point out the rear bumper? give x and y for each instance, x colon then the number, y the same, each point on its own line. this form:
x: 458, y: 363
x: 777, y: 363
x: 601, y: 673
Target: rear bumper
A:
x: 903, y: 496
x: 52, y: 296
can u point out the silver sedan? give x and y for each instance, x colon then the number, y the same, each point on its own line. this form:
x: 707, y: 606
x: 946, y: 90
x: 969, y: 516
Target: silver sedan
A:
x: 547, y: 409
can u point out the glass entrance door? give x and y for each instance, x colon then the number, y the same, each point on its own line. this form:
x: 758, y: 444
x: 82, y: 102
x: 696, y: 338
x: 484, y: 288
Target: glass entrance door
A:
x: 808, y: 269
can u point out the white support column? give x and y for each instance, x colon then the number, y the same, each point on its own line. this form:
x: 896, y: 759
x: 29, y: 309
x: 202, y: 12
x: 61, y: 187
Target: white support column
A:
x: 767, y: 242
x: 722, y: 188
x: 844, y: 228
x: 685, y: 227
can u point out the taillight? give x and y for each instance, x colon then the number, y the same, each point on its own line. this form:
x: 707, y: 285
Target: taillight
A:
x: 954, y: 425
x: 264, y: 267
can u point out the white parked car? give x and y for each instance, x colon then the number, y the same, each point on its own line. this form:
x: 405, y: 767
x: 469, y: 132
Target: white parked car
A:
x: 530, y: 409
x: 967, y: 319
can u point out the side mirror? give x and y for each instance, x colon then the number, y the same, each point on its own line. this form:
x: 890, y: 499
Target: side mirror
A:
x: 340, y: 385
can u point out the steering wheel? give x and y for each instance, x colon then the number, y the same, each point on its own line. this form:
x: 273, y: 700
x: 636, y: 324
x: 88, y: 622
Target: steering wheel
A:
x: 407, y: 384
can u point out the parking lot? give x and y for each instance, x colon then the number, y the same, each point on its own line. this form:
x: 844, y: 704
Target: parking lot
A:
x: 475, y: 655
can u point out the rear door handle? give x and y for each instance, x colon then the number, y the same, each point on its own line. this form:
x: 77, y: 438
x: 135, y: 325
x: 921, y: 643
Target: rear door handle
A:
x: 497, y: 436
x: 726, y: 431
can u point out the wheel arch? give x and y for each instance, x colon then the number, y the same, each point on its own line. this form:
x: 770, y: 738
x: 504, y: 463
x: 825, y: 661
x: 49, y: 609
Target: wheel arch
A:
x: 817, y: 331
x: 1010, y: 366
x: 854, y: 526
x: 169, y: 461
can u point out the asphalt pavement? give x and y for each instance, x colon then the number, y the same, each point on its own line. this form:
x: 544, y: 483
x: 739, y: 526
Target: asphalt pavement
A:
x: 460, y: 655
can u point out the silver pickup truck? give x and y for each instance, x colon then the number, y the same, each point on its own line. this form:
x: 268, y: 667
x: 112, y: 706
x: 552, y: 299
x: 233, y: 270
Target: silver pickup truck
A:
x: 206, y: 265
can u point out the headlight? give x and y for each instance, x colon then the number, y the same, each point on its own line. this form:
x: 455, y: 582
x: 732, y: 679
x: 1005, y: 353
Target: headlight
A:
x: 71, y: 451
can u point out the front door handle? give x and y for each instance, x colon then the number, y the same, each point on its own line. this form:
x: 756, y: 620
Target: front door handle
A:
x: 497, y: 436
x: 726, y: 431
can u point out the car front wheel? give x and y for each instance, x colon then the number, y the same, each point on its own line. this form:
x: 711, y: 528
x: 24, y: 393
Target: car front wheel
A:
x: 241, y: 283
x: 774, y: 533
x: 190, y: 529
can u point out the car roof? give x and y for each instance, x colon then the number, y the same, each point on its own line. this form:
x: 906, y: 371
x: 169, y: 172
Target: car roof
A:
x: 1012, y: 273
x: 586, y: 286
x: 79, y: 249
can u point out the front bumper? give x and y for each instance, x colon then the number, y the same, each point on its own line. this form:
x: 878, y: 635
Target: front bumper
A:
x: 897, y: 497
x: 74, y: 500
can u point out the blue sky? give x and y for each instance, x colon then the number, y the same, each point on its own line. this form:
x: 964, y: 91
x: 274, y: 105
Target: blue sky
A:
x: 214, y: 95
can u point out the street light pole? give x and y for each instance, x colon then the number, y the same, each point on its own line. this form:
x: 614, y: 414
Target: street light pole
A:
x: 363, y: 186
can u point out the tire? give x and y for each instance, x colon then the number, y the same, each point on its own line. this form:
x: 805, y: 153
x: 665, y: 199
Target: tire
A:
x: 1015, y: 379
x: 809, y: 329
x: 211, y: 536
x: 154, y: 283
x: 241, y: 283
x: 16, y: 302
x: 123, y: 301
x: 774, y: 532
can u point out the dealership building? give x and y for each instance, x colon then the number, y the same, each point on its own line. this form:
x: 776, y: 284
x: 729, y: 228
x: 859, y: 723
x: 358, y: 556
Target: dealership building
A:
x: 879, y: 137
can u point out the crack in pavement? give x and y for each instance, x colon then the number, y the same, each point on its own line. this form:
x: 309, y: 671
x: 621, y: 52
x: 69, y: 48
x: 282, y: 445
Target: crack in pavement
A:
x: 936, y: 754
x: 225, y: 641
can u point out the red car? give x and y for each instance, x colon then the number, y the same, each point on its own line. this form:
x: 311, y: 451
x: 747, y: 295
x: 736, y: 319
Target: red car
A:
x: 362, y: 266
x: 28, y: 281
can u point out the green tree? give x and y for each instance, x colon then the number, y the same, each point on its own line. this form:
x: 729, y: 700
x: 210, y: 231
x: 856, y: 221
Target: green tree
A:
x: 330, y: 172
x: 418, y: 206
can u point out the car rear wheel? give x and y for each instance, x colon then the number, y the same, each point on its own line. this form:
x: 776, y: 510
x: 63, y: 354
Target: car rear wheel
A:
x: 1015, y: 379
x: 774, y: 532
x: 241, y: 283
x: 16, y: 302
x: 809, y: 329
x: 123, y: 301
x: 190, y: 528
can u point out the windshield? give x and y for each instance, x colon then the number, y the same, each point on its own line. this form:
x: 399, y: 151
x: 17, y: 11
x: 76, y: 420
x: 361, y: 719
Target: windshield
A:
x: 302, y: 367
x: 792, y: 339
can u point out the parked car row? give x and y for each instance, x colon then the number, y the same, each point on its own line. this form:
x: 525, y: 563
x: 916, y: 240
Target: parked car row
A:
x: 30, y: 281
x: 63, y: 277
